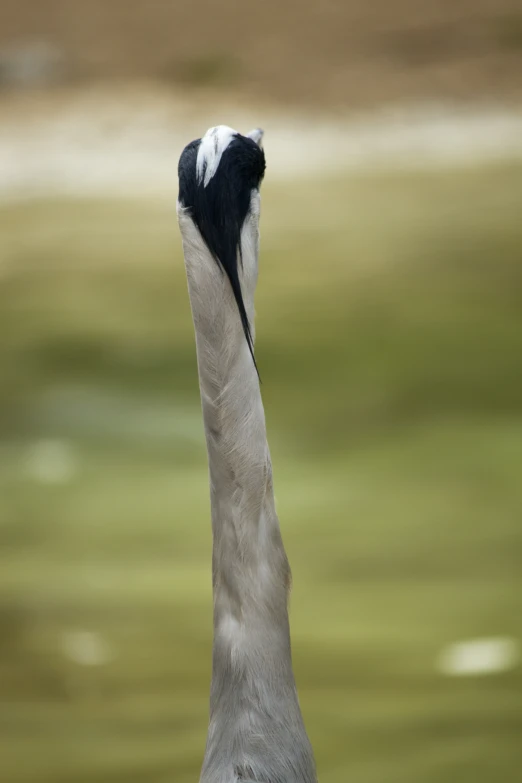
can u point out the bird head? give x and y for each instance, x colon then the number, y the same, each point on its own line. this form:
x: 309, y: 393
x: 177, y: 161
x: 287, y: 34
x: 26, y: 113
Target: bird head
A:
x: 219, y: 180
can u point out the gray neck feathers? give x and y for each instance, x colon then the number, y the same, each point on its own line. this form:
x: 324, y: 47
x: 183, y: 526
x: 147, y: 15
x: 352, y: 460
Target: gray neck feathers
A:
x: 256, y: 732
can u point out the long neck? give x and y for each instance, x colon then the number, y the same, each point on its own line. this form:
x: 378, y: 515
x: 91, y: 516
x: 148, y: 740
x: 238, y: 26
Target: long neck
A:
x: 253, y: 693
x: 251, y: 574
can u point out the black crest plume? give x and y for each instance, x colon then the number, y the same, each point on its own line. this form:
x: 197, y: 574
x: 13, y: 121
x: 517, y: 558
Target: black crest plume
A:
x: 219, y: 210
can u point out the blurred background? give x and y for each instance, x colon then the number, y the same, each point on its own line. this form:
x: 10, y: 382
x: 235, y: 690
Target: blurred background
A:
x: 390, y: 345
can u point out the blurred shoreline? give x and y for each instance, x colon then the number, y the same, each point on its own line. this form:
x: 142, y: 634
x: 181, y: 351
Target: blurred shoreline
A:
x: 125, y: 141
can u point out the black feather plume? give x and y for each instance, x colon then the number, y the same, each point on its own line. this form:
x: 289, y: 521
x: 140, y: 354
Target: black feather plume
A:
x: 220, y: 208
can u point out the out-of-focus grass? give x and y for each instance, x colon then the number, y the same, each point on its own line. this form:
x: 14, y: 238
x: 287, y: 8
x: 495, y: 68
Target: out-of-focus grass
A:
x: 390, y: 346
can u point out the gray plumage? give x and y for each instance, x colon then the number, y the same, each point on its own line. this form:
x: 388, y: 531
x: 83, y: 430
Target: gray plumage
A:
x: 256, y: 731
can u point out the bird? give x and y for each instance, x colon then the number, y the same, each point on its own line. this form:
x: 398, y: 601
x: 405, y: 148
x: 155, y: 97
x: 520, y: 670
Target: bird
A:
x: 256, y: 732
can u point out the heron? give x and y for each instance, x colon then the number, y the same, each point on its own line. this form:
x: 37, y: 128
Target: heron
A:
x: 256, y: 732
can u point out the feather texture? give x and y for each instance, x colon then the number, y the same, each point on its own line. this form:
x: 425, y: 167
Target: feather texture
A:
x: 217, y: 175
x: 256, y: 732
